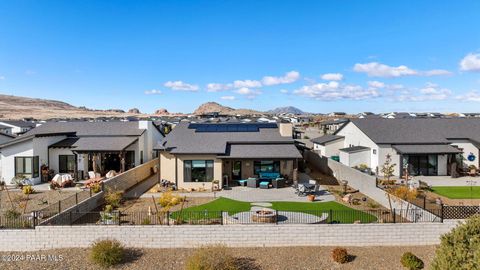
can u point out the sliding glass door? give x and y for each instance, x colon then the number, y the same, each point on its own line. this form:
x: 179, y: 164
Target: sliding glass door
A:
x: 426, y: 165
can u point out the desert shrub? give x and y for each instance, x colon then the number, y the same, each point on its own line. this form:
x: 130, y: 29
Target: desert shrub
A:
x: 12, y: 214
x: 372, y: 204
x: 168, y: 199
x: 28, y: 190
x: 460, y: 248
x: 146, y: 221
x: 340, y: 255
x: 96, y: 187
x: 411, y: 262
x: 108, y: 208
x: 216, y: 257
x: 106, y: 253
x: 113, y: 198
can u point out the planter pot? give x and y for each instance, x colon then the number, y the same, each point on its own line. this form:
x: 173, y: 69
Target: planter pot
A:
x: 311, y: 198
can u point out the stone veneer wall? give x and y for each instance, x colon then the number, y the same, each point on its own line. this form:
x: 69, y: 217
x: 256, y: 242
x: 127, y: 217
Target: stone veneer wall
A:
x: 189, y: 236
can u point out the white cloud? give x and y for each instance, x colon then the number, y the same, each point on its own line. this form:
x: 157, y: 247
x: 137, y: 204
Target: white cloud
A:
x: 332, y: 77
x: 2, y: 78
x: 248, y: 93
x: 473, y: 95
x: 289, y: 77
x: 153, y: 92
x: 217, y: 87
x: 284, y: 91
x: 375, y: 69
x: 436, y: 72
x: 181, y: 86
x: 228, y: 97
x: 376, y: 84
x: 335, y: 91
x: 471, y: 62
x: 429, y: 92
x: 247, y: 84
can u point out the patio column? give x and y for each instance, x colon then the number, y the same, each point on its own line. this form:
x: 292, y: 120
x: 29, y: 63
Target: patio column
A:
x: 122, y: 161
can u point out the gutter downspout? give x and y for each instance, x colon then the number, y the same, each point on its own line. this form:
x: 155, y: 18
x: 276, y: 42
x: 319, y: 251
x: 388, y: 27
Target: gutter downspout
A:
x: 176, y: 172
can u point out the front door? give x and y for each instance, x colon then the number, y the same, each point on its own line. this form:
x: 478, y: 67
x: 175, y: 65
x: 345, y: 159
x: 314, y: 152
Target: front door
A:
x: 237, y: 170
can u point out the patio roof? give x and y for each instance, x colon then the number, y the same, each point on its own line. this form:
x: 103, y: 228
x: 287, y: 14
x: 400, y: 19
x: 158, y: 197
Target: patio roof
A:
x: 354, y: 149
x: 270, y: 151
x: 426, y: 149
x: 326, y: 139
x: 90, y: 144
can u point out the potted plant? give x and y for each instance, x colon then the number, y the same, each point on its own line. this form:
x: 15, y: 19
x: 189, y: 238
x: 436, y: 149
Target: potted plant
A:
x: 311, y: 197
x: 215, y: 185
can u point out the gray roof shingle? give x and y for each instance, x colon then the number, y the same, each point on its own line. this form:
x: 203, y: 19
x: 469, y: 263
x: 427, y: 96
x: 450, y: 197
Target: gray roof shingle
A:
x: 354, y: 149
x: 326, y: 138
x: 419, y: 131
x: 426, y: 149
x: 264, y: 143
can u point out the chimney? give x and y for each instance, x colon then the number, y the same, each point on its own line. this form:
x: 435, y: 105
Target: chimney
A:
x: 286, y: 129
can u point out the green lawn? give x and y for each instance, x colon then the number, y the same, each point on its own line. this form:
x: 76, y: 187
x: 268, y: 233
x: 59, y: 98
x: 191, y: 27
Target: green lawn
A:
x: 212, y: 210
x: 340, y: 213
x: 458, y: 192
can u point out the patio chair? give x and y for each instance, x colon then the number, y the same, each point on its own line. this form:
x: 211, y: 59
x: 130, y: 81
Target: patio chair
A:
x: 264, y: 185
x: 315, y: 189
x: 302, y: 191
x: 242, y: 183
x: 252, y: 182
x: 278, y: 183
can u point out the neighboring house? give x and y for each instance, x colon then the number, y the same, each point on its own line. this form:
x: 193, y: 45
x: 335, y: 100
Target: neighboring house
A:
x: 332, y: 125
x: 193, y: 155
x: 428, y: 146
x: 328, y: 145
x: 79, y: 147
x: 6, y: 130
x: 18, y: 127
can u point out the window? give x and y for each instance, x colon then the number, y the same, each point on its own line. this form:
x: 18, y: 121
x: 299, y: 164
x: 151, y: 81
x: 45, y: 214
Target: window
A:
x: 198, y: 170
x: 374, y: 151
x: 266, y: 166
x: 66, y: 163
x: 27, y: 166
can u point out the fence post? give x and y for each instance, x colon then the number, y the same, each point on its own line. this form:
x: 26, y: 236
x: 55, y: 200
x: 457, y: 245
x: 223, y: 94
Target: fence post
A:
x: 424, y: 202
x: 35, y: 219
x: 394, y: 216
x: 90, y: 190
x: 441, y: 213
x: 76, y: 198
x: 221, y: 214
x: 276, y: 217
x: 119, y: 217
x: 70, y: 217
x: 330, y: 215
x: 59, y: 206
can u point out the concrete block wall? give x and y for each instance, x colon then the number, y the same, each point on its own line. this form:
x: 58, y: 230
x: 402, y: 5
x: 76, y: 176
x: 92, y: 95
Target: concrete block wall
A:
x: 190, y: 236
x: 131, y: 177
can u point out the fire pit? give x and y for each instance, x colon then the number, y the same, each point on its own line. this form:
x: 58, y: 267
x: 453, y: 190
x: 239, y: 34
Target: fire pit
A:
x: 264, y: 216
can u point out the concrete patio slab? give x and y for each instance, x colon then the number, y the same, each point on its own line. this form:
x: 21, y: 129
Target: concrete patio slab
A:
x: 448, y: 181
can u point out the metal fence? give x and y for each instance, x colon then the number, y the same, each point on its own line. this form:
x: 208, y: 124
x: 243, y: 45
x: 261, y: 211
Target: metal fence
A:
x: 17, y: 222
x: 66, y: 203
x: 248, y: 217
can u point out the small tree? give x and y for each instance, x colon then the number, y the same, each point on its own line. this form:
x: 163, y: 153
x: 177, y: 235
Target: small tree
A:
x: 460, y: 248
x: 388, y: 168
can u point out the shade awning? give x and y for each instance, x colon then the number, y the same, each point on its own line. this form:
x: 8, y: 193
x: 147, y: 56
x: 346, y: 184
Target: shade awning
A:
x: 91, y: 144
x: 262, y: 151
x: 426, y: 149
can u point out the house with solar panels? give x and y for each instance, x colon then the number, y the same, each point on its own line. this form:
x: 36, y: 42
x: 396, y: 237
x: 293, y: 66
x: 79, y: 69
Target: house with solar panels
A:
x: 77, y: 148
x: 423, y: 146
x: 194, y: 155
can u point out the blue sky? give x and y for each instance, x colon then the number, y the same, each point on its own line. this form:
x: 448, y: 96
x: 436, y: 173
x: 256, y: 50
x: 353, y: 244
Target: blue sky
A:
x: 373, y: 55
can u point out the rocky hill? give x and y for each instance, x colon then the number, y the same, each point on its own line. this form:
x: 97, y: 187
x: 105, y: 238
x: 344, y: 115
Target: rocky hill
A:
x: 14, y: 107
x: 286, y: 110
x: 211, y: 107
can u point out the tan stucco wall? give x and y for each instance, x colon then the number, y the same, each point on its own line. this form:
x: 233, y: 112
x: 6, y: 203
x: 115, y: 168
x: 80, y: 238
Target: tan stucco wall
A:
x: 167, y: 166
x: 169, y: 170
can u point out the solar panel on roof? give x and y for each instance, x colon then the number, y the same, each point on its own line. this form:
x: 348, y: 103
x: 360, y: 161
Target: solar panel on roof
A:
x: 228, y: 127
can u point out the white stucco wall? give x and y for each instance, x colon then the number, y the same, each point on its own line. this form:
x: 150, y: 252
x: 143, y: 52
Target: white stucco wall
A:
x: 355, y: 137
x: 468, y: 148
x: 381, y: 157
x: 330, y: 148
x: 8, y: 155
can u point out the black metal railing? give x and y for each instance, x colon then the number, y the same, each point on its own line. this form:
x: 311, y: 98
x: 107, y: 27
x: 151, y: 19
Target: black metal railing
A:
x: 249, y: 217
x: 17, y: 222
x: 62, y: 205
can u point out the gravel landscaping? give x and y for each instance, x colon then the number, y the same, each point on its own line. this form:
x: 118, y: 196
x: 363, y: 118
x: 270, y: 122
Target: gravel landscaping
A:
x: 252, y: 258
x: 36, y: 201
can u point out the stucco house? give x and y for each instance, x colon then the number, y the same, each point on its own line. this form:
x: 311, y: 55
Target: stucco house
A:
x: 193, y: 155
x: 77, y: 148
x: 427, y: 146
x: 17, y: 127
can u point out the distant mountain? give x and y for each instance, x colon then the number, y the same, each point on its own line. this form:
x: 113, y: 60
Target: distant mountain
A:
x: 286, y: 110
x: 211, y: 107
x: 15, y: 107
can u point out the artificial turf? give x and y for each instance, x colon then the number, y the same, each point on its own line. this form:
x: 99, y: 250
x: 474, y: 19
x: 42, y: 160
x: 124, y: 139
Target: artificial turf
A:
x: 458, y: 192
x: 339, y: 213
